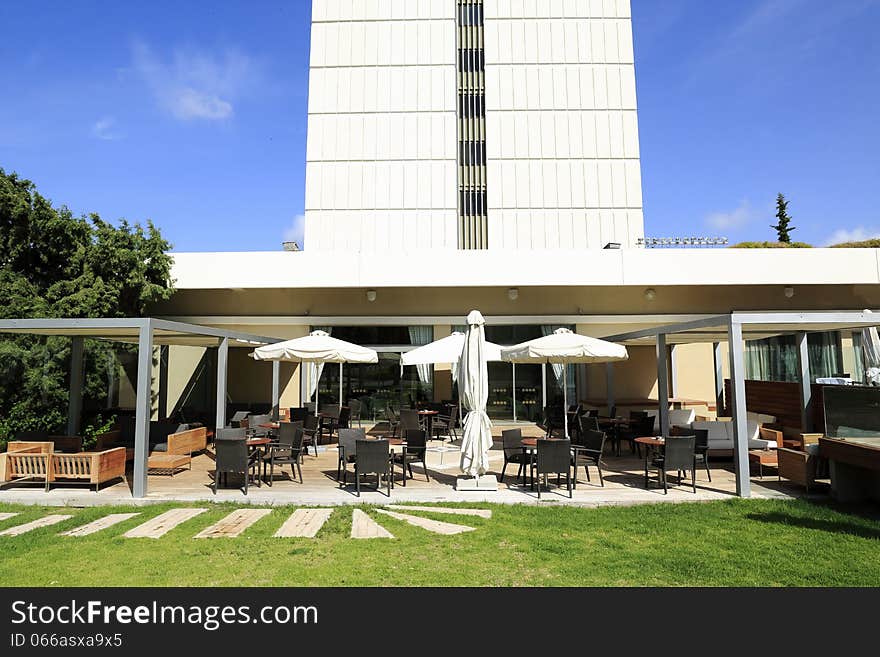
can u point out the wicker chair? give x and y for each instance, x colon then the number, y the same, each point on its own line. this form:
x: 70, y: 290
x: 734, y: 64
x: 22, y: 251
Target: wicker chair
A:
x: 587, y: 452
x: 232, y: 455
x: 553, y: 457
x: 373, y: 457
x: 287, y: 450
x: 678, y: 454
x: 347, y: 450
x: 513, y: 452
x: 413, y: 452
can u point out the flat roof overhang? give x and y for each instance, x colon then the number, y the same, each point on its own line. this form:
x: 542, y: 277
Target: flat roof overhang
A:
x: 755, y: 326
x: 127, y: 329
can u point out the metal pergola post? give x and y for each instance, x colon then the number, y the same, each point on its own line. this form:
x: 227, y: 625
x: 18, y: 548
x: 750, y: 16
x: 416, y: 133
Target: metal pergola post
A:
x: 222, y: 363
x: 276, y: 388
x: 719, y: 377
x: 142, y: 408
x: 74, y: 399
x: 162, y: 391
x: 673, y: 372
x: 805, y: 380
x: 662, y: 385
x: 738, y: 408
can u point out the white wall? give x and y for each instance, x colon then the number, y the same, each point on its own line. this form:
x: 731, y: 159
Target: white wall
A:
x: 562, y: 130
x: 381, y: 149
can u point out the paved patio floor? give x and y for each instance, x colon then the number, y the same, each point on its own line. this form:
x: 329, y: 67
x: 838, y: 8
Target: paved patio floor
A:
x: 624, y: 484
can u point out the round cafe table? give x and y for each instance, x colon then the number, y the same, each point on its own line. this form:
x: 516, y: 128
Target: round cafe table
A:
x: 428, y: 418
x: 653, y: 444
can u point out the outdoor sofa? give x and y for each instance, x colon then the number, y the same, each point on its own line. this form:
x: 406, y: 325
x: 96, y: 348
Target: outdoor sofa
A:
x: 37, y: 461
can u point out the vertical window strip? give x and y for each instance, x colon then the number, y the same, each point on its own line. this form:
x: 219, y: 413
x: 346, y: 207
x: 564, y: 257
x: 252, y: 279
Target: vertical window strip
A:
x: 473, y: 218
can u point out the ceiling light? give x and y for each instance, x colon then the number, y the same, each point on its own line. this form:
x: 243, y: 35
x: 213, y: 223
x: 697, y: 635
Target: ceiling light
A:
x: 788, y: 291
x: 513, y: 293
x: 650, y: 294
x: 371, y: 295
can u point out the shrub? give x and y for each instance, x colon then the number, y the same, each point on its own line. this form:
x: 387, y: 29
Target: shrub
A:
x: 772, y: 245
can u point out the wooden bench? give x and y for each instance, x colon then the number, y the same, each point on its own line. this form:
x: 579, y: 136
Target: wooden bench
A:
x: 90, y: 468
x: 162, y: 463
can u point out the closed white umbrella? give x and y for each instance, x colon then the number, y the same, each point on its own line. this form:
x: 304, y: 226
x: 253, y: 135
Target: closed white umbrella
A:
x: 871, y: 353
x: 564, y: 347
x: 473, y: 384
x: 317, y: 347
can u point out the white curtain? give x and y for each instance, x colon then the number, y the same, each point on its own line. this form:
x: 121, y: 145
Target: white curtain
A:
x: 315, y: 369
x: 419, y: 335
x: 557, y: 367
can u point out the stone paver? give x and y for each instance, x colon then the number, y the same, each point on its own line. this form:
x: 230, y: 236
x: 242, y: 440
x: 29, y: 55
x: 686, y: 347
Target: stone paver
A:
x: 7, y: 516
x: 34, y: 524
x: 233, y: 524
x: 163, y: 523
x: 480, y: 513
x: 363, y: 526
x: 435, y: 526
x: 99, y: 524
x: 304, y: 523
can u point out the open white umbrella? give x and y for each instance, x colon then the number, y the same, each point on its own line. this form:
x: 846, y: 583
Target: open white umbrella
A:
x: 564, y: 347
x: 447, y: 350
x: 317, y: 347
x: 473, y: 377
x: 871, y: 353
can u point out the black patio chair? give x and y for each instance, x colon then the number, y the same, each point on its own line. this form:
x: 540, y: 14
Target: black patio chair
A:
x: 678, y: 454
x: 255, y: 430
x: 239, y: 420
x: 444, y: 425
x: 311, y: 433
x: 588, y: 423
x: 553, y: 457
x: 297, y: 413
x: 356, y: 408
x: 232, y: 455
x: 347, y: 445
x: 588, y: 452
x: 341, y: 421
x: 409, y: 419
x: 393, y: 420
x: 286, y: 451
x: 701, y: 449
x: 413, y: 452
x: 373, y: 457
x: 637, y: 429
x: 511, y: 440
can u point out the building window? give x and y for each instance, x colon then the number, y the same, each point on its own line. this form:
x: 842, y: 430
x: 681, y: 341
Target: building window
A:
x: 776, y: 359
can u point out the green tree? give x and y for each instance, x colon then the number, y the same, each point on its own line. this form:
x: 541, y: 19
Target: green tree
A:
x: 53, y: 264
x: 783, y: 228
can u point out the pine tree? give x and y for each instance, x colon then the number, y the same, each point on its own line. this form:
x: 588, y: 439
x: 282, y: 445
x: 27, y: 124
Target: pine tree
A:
x: 782, y: 227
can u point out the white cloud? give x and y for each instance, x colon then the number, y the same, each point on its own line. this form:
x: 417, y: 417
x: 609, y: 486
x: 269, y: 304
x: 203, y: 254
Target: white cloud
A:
x: 105, y: 128
x: 732, y: 219
x: 296, y: 231
x: 852, y: 235
x: 194, y: 84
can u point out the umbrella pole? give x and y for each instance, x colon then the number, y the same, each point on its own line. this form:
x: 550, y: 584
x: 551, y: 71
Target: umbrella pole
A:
x: 564, y: 400
x: 340, y: 386
x: 317, y: 388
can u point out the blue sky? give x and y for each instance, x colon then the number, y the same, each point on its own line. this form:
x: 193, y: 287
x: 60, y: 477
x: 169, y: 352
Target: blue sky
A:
x: 194, y: 114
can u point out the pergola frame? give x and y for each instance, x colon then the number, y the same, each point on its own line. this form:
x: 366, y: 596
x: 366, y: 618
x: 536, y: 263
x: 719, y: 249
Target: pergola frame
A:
x: 734, y: 328
x: 146, y: 332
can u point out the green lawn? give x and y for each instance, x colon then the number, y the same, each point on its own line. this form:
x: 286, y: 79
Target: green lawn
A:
x: 730, y: 543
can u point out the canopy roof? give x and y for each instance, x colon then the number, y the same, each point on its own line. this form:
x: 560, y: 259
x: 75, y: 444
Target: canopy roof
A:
x: 755, y: 326
x: 564, y: 346
x: 316, y: 347
x: 445, y: 350
x: 127, y: 329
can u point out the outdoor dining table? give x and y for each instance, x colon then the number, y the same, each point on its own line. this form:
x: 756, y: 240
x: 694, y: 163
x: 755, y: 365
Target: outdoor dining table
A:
x: 428, y: 417
x: 653, y: 444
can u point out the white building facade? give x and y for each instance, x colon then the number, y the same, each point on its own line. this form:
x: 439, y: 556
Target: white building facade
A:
x: 472, y: 124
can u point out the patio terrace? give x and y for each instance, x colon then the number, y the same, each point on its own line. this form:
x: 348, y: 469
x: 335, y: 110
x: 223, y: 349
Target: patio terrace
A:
x: 624, y: 483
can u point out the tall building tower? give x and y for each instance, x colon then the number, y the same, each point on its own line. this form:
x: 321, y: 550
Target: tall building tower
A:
x: 472, y: 124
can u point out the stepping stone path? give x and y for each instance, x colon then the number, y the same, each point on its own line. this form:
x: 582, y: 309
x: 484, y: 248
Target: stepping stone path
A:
x: 34, y: 524
x: 163, y: 523
x: 233, y: 524
x: 304, y: 523
x: 435, y: 526
x: 363, y: 526
x: 480, y: 513
x: 99, y: 524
